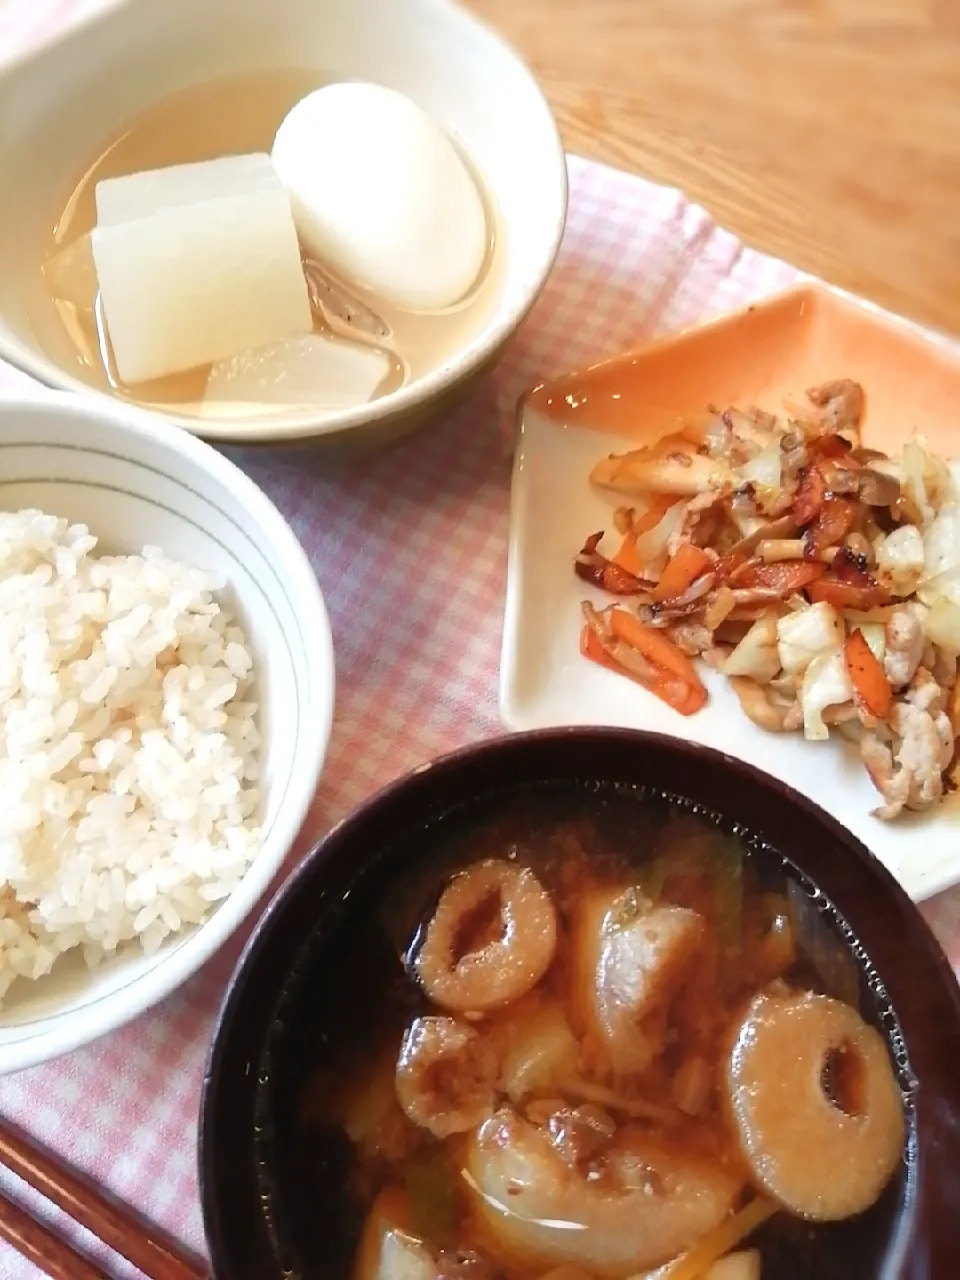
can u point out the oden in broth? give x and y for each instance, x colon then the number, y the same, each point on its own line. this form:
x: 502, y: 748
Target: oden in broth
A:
x: 228, y: 117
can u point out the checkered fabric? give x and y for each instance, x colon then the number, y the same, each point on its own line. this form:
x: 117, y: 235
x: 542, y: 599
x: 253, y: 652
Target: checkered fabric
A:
x: 410, y: 551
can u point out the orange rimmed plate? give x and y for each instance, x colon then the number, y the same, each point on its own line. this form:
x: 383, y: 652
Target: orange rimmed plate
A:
x: 764, y: 354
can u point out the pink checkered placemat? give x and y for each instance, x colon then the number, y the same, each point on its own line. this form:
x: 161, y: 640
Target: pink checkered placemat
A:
x: 410, y: 552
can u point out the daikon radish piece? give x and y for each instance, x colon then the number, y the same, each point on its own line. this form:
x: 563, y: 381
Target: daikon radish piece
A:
x: 190, y: 284
x: 308, y: 370
x: 403, y: 1257
x: 381, y: 195
x: 138, y: 195
x: 71, y: 276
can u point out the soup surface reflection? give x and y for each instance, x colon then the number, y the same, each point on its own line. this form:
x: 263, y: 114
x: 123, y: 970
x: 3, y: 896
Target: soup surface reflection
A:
x: 575, y: 1034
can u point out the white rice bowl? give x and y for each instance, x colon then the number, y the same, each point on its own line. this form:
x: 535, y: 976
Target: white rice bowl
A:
x: 136, y: 481
x: 128, y: 747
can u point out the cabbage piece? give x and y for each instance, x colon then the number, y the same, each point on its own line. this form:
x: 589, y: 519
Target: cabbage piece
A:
x: 756, y: 655
x: 541, y: 1056
x: 652, y: 545
x: 888, y: 467
x: 826, y: 683
x: 746, y: 521
x: 941, y: 624
x: 763, y: 471
x: 901, y: 555
x: 945, y: 586
x: 941, y: 543
x: 926, y: 479
x: 875, y: 635
x: 807, y: 633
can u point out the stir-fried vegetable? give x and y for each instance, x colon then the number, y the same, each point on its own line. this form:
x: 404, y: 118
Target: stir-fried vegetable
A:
x: 820, y: 577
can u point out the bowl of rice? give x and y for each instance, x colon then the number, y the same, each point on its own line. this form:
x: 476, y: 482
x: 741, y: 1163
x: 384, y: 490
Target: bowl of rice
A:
x: 166, y: 700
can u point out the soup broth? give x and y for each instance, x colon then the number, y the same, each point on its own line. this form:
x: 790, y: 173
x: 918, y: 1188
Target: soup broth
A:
x: 340, y: 1156
x: 233, y: 117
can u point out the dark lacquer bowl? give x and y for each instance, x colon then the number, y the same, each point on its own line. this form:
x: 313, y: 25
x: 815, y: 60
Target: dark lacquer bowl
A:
x: 241, y: 1138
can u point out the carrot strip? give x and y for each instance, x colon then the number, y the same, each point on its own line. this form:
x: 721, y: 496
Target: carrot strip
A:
x: 869, y: 680
x: 729, y: 564
x: 657, y: 509
x: 685, y: 698
x: 783, y: 576
x: 682, y: 569
x: 653, y: 645
x: 844, y: 596
x: 953, y: 709
x: 591, y: 646
x: 672, y: 676
x: 811, y: 494
x: 832, y: 522
x: 628, y: 557
x: 848, y: 585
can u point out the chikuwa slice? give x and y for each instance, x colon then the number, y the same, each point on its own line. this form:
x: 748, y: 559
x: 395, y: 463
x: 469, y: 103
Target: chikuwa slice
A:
x: 816, y: 1103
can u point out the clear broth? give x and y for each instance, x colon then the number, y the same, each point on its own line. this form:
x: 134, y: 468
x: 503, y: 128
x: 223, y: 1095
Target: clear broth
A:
x: 228, y: 117
x: 328, y: 1033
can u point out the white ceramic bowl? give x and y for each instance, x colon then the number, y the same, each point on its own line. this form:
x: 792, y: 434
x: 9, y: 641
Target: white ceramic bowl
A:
x: 134, y: 480
x: 57, y: 105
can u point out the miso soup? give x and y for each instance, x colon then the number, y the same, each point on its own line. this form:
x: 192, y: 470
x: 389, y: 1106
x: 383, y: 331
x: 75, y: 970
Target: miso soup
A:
x: 585, y: 1033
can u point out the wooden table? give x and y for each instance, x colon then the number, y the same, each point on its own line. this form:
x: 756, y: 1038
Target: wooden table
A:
x: 826, y: 132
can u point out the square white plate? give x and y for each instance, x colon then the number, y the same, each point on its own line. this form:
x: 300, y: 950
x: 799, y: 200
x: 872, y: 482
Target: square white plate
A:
x: 545, y: 682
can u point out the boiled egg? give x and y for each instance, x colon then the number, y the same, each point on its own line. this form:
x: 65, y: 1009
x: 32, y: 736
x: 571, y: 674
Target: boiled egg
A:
x: 381, y: 196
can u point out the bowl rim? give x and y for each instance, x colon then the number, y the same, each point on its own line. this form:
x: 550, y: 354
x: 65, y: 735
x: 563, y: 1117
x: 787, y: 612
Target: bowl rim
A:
x: 407, y: 399
x: 230, y: 1011
x: 116, y: 1008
